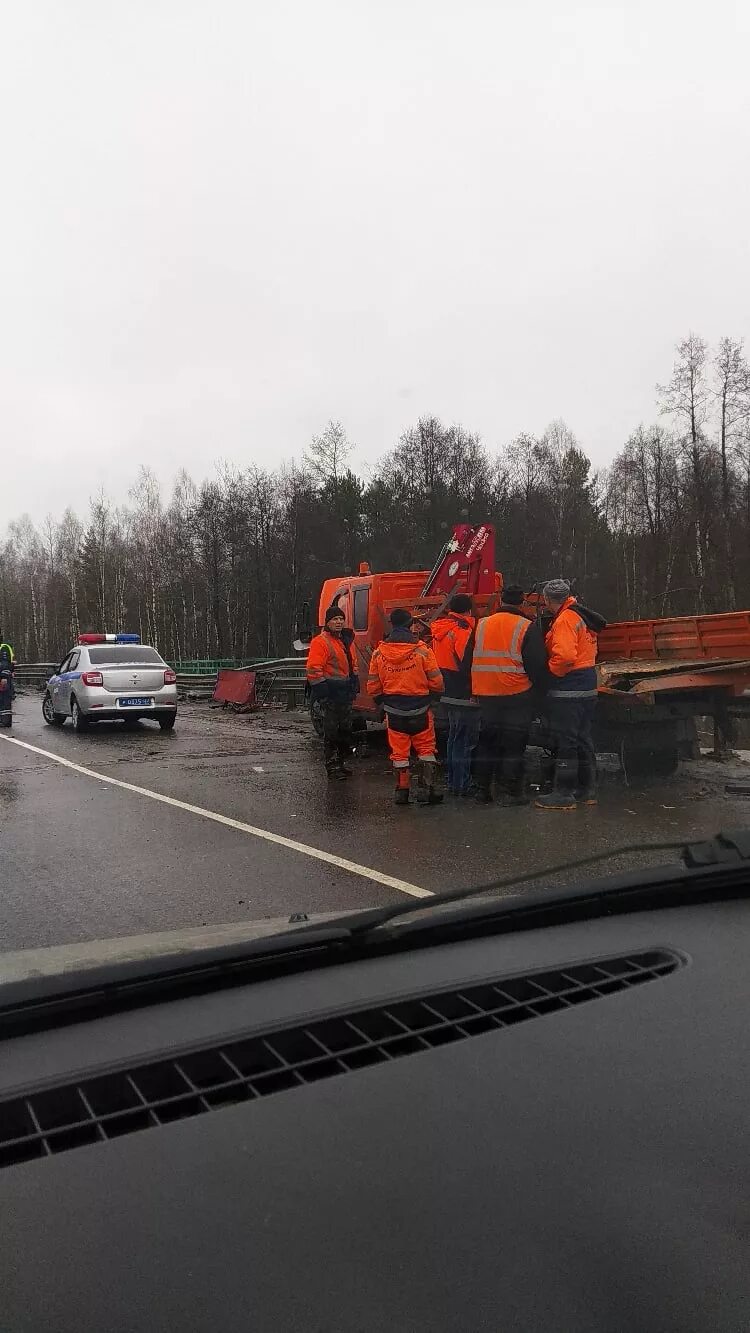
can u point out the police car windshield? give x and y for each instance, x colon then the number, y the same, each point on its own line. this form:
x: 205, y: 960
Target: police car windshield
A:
x: 112, y: 653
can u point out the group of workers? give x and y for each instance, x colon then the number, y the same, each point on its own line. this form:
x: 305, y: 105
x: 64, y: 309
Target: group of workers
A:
x: 488, y: 678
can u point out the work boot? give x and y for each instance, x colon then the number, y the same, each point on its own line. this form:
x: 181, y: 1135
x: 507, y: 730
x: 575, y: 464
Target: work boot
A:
x: 546, y: 772
x: 402, y: 787
x: 586, y: 796
x: 556, y: 800
x: 426, y: 791
x: 335, y: 774
x: 343, y: 770
x: 514, y: 795
x: 586, y: 784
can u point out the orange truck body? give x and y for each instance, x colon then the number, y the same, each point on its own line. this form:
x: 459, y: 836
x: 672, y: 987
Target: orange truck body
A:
x: 367, y: 601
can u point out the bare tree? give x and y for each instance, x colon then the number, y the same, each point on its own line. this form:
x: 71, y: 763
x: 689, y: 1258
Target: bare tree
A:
x: 686, y: 399
x: 731, y: 389
x: 327, y: 454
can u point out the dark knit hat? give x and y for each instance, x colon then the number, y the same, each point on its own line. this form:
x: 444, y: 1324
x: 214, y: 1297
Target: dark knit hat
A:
x: 401, y: 619
x: 333, y: 611
x: 513, y: 595
x: 461, y: 602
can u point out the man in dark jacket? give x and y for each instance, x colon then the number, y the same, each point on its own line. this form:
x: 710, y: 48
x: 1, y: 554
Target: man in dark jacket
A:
x: 452, y: 641
x: 571, y: 643
x: 6, y: 686
x: 334, y: 686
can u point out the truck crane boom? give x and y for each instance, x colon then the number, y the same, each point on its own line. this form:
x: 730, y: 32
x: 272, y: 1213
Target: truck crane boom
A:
x: 467, y: 561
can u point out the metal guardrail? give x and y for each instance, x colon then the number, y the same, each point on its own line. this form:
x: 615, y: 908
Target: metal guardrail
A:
x: 284, y: 678
x: 287, y: 676
x: 34, y: 674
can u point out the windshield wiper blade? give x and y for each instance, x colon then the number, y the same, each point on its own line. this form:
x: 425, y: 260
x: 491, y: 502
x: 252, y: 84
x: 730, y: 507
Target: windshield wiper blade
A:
x: 91, y: 992
x: 730, y: 847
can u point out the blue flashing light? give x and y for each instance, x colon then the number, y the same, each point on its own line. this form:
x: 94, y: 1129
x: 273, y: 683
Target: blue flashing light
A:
x: 127, y: 638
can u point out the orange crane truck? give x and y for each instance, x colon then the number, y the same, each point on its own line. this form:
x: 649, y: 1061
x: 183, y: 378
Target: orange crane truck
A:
x: 655, y: 676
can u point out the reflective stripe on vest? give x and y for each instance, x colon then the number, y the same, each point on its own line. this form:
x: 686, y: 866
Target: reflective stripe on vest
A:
x: 500, y: 670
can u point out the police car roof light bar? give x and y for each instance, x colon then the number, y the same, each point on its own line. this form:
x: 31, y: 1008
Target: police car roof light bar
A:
x: 109, y: 638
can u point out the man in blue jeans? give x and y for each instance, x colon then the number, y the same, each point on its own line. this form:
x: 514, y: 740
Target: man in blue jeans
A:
x: 452, y: 640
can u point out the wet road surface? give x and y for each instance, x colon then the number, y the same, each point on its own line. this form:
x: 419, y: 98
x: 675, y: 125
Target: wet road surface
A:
x: 83, y: 860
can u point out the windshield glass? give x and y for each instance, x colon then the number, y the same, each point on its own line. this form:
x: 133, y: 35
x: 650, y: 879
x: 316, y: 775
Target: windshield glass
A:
x: 421, y: 316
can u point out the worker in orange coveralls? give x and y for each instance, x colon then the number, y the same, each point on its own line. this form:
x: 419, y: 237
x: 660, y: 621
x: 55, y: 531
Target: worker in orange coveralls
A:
x: 404, y: 678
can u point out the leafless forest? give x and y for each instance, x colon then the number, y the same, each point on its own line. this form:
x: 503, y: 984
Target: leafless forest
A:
x: 222, y: 569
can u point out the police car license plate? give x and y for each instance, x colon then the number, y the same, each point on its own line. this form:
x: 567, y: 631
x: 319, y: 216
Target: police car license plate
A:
x: 135, y: 702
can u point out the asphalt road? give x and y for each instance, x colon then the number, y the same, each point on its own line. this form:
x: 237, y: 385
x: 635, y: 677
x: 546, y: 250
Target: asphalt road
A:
x: 82, y: 859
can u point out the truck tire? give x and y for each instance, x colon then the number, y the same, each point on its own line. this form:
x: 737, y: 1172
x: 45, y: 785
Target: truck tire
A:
x: 649, y: 753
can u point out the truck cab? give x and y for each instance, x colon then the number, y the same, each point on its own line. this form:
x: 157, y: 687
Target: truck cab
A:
x: 367, y: 599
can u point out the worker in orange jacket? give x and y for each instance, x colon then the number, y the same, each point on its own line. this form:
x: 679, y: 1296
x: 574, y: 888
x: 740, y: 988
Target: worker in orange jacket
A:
x: 452, y: 637
x: 333, y: 686
x: 571, y: 698
x: 404, y: 678
x: 508, y: 661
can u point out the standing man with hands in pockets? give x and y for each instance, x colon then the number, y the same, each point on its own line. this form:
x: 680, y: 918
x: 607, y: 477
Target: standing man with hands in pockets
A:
x: 334, y: 685
x: 571, y: 644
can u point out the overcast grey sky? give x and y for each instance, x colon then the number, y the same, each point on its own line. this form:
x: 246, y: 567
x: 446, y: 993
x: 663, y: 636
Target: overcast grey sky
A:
x: 224, y: 223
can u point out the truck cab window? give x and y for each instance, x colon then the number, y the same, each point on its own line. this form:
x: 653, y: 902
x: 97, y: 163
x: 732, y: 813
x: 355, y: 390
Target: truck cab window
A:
x: 361, y: 608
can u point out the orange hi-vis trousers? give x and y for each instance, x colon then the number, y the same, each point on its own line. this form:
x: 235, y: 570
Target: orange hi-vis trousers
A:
x: 423, y: 743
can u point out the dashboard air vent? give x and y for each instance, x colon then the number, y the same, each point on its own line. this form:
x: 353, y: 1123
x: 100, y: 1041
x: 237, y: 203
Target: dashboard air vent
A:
x: 124, y: 1101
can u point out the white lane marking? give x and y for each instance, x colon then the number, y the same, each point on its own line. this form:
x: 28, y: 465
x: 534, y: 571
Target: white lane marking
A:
x: 353, y: 867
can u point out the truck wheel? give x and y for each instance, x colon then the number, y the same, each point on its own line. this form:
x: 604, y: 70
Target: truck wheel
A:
x: 643, y: 758
x: 52, y: 718
x: 80, y: 721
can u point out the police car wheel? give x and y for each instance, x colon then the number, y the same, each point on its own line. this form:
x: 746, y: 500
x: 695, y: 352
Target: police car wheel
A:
x: 50, y: 716
x: 80, y: 721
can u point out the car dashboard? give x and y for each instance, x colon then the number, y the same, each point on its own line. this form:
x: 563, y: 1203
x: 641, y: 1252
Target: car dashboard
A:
x: 538, y: 1130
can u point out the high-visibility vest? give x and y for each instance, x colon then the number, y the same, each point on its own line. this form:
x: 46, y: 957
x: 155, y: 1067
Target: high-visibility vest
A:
x: 570, y: 644
x: 327, y: 659
x: 498, y: 667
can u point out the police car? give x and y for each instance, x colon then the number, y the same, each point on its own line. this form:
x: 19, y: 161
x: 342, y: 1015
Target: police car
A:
x: 108, y: 676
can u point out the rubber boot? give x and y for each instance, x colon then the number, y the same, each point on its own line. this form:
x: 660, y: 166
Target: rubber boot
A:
x: 401, y: 796
x: 586, y: 796
x: 561, y: 798
x: 514, y: 794
x: 586, y: 785
x: 546, y: 772
x: 427, y: 793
